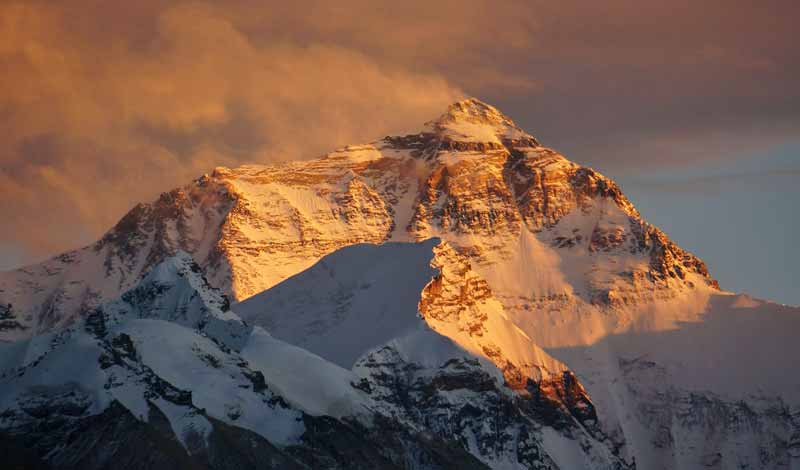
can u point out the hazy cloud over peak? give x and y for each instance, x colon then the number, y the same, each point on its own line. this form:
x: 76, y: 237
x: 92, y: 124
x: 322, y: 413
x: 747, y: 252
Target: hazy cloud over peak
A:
x: 104, y: 104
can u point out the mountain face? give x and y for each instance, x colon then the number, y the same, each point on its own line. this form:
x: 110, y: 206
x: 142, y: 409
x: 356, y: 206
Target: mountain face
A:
x: 471, y: 177
x: 458, y: 297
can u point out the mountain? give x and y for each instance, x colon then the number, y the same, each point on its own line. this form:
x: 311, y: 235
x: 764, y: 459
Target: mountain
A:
x: 471, y: 177
x: 463, y: 283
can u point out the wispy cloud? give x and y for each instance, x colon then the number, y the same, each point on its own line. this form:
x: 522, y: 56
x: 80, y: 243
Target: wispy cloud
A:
x: 103, y: 104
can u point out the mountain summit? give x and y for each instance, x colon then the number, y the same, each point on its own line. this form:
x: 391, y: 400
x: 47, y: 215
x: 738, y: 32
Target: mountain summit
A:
x: 472, y: 120
x: 462, y: 282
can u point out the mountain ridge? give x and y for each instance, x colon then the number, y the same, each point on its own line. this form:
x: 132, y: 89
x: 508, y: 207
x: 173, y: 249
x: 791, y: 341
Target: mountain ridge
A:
x: 155, y: 356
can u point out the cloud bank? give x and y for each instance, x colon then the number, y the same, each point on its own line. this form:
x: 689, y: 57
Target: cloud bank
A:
x: 104, y: 104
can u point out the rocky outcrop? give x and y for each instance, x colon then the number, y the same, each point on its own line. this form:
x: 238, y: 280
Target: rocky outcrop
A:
x: 462, y: 403
x: 8, y: 319
x: 386, y: 444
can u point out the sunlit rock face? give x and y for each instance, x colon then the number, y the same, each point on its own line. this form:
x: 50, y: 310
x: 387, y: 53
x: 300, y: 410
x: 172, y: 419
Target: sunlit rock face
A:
x: 463, y: 284
x: 471, y: 177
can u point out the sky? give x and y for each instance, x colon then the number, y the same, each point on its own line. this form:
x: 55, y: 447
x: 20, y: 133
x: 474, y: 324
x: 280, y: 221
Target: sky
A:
x: 692, y: 106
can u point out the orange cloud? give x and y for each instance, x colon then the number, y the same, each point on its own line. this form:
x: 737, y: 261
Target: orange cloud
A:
x: 104, y: 104
x: 91, y: 127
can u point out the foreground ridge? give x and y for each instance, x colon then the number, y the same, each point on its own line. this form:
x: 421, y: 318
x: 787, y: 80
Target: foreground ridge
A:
x: 169, y: 364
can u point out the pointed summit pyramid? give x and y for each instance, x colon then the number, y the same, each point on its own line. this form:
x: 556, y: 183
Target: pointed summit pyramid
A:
x: 472, y: 111
x: 473, y: 124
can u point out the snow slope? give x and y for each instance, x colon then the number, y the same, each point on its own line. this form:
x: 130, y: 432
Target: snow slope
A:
x: 348, y: 303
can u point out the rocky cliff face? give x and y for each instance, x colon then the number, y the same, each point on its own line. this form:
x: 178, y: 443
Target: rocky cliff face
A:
x: 461, y: 401
x: 541, y: 270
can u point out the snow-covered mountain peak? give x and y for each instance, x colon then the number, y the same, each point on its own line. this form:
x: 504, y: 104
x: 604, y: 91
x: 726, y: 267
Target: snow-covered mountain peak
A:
x: 475, y: 111
x: 489, y: 194
x: 473, y: 121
